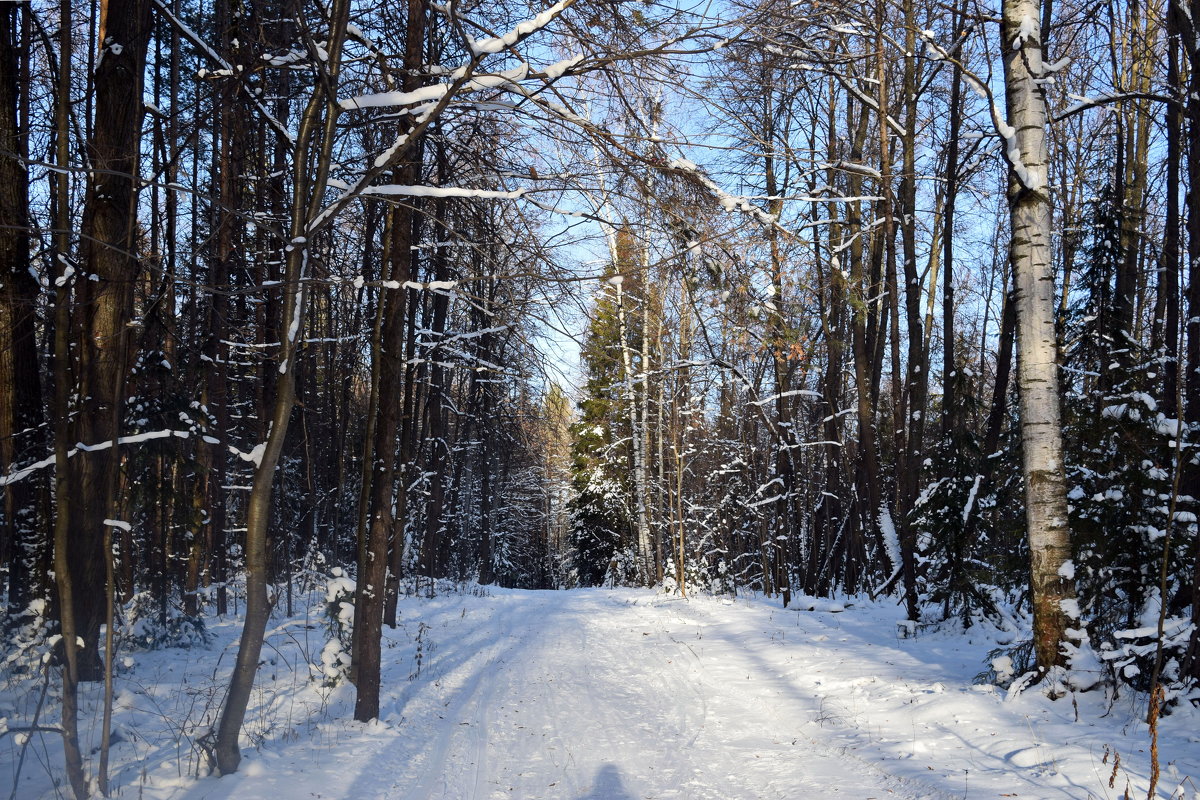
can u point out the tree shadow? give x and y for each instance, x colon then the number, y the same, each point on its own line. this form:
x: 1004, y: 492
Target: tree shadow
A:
x: 608, y: 785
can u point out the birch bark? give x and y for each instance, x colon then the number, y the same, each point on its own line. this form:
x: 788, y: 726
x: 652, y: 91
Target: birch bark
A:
x: 1030, y: 207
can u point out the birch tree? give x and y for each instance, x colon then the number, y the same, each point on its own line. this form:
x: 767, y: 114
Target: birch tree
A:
x: 1030, y: 206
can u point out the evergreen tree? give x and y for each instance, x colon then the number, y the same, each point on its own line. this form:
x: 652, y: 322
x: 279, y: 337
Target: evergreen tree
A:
x: 601, y: 519
x: 1119, y: 454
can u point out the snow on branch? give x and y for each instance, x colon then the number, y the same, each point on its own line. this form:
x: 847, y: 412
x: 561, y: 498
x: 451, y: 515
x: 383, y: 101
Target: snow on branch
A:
x: 1032, y: 179
x: 791, y: 393
x: 727, y: 201
x: 390, y: 190
x: 1083, y: 103
x: 25, y: 472
x: 860, y: 169
x: 254, y: 456
x: 523, y: 29
x: 460, y: 81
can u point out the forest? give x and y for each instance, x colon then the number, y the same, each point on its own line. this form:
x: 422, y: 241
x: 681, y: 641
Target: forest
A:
x: 893, y: 300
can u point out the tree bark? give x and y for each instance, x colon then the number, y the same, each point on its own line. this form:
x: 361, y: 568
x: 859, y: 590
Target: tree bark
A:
x: 1186, y: 21
x: 21, y: 415
x: 910, y: 438
x: 1051, y: 588
x: 72, y: 756
x: 109, y: 260
x: 393, y: 307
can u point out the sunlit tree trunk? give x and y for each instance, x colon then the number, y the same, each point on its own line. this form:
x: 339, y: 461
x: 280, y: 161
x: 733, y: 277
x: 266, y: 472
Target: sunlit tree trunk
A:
x: 642, y: 519
x: 1052, y: 589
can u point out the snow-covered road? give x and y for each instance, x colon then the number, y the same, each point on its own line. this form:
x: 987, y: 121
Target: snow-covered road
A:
x: 580, y: 696
x: 624, y: 694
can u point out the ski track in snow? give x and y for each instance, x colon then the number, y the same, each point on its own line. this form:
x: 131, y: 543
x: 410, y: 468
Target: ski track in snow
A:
x: 625, y: 694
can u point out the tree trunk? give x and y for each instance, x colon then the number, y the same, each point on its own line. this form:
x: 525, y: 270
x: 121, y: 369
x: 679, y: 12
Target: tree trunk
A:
x: 109, y: 260
x: 1052, y: 591
x: 61, y: 409
x: 950, y: 411
x: 1169, y: 282
x: 314, y: 140
x: 21, y: 416
x: 393, y: 308
x: 1186, y: 24
x: 910, y: 439
x: 437, y: 541
x: 639, y: 463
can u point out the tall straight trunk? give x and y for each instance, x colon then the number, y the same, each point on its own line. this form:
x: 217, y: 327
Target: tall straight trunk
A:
x: 63, y: 375
x: 230, y: 154
x: 1192, y: 200
x: 437, y: 424
x: 786, y: 510
x: 409, y: 429
x: 487, y: 566
x: 829, y: 520
x: 654, y: 560
x: 1169, y: 274
x: 910, y: 439
x: 864, y: 287
x: 890, y: 312
x: 950, y: 411
x: 639, y: 462
x: 1137, y: 118
x: 1185, y: 24
x: 1004, y: 359
x: 393, y: 309
x: 1030, y: 209
x: 373, y: 310
x: 368, y: 464
x: 662, y: 490
x: 314, y: 140
x: 21, y: 416
x: 108, y: 256
x: 480, y: 410
x: 681, y: 414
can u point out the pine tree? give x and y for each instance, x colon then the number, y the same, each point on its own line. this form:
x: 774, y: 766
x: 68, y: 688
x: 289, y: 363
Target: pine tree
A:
x: 1119, y: 458
x: 601, y: 517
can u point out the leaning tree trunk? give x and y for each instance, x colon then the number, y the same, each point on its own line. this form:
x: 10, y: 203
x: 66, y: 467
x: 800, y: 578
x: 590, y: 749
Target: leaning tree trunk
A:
x: 314, y: 139
x: 1052, y: 588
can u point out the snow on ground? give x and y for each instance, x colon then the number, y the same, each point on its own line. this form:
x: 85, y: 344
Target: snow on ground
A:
x: 621, y: 695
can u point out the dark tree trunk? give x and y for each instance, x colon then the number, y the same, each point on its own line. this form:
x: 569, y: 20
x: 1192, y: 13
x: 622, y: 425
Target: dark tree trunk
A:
x: 1191, y: 477
x: 22, y: 537
x: 108, y: 257
x: 372, y: 569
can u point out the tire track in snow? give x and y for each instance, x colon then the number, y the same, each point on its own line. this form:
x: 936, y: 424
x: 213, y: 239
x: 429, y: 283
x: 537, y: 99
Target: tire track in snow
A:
x: 468, y: 708
x: 621, y: 695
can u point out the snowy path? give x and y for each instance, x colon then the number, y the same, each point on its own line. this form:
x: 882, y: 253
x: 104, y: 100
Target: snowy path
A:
x: 624, y: 695
x: 601, y: 701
